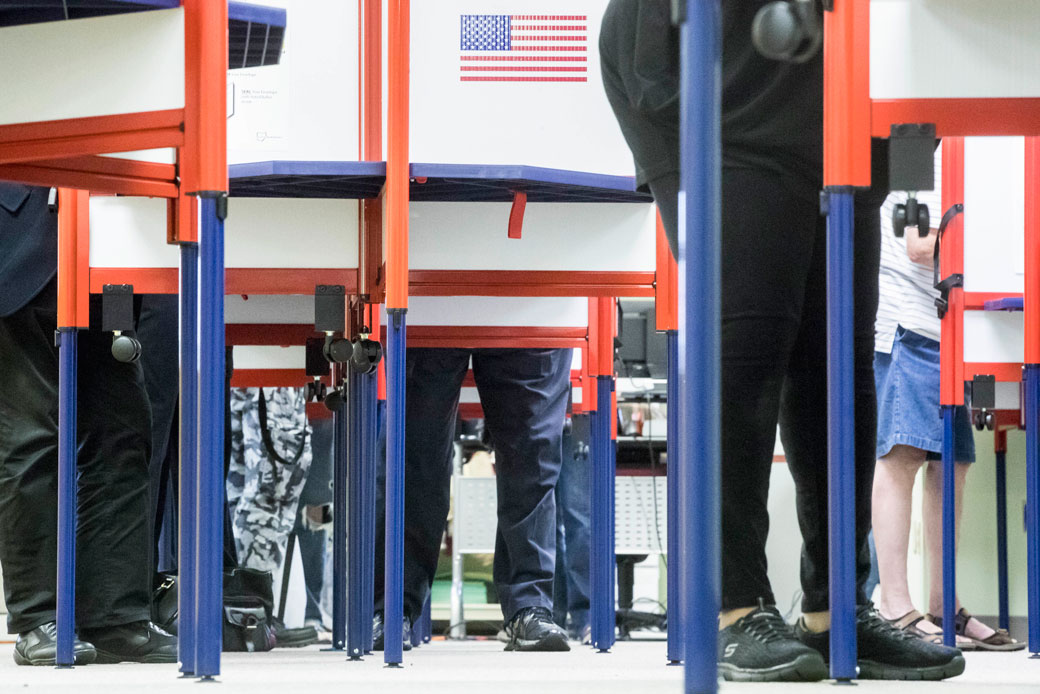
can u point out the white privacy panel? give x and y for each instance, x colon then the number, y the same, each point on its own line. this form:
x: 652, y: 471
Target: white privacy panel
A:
x: 97, y: 66
x: 292, y: 233
x: 257, y: 308
x: 994, y: 336
x: 130, y: 233
x: 550, y: 312
x: 267, y: 357
x: 555, y: 124
x: 259, y: 233
x: 306, y: 107
x: 619, y: 237
x: 954, y: 49
x: 1008, y: 395
x: 994, y: 214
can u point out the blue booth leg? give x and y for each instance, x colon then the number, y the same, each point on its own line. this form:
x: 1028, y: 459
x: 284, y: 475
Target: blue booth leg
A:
x: 841, y: 453
x: 355, y: 530
x: 1002, y: 555
x: 373, y: 457
x: 602, y: 585
x: 1032, y: 412
x: 674, y: 600
x: 211, y: 505
x: 949, y: 543
x: 189, y: 444
x: 68, y: 348
x: 340, y: 448
x: 699, y: 339
x: 393, y: 612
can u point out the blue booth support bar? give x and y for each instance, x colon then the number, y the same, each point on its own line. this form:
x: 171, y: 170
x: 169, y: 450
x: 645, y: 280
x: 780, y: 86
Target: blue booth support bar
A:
x: 340, y: 446
x: 1032, y: 416
x: 373, y: 455
x: 211, y: 505
x: 355, y: 509
x: 841, y: 442
x: 189, y: 443
x: 674, y: 599
x: 949, y: 525
x: 602, y: 584
x: 699, y: 340
x: 1002, y: 548
x: 65, y: 617
x: 393, y: 612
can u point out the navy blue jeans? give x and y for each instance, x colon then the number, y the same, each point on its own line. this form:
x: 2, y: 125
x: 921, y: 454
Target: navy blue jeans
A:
x: 573, y: 530
x: 524, y: 394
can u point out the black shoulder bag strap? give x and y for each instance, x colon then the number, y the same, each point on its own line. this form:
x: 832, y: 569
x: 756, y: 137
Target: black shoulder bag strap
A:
x: 265, y: 434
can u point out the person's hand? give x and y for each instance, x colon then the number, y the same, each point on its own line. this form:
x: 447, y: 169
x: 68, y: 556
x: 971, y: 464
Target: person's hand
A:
x: 920, y: 249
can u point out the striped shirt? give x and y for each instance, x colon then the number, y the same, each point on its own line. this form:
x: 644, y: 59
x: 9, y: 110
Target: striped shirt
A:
x: 907, y: 297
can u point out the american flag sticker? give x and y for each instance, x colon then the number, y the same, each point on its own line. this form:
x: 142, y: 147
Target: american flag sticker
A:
x: 524, y: 48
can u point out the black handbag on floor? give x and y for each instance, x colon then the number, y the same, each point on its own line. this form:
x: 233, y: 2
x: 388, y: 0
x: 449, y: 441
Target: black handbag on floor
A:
x: 247, y: 610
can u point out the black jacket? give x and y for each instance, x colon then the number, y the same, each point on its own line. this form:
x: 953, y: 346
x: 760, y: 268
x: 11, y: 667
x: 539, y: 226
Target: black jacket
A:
x: 28, y: 245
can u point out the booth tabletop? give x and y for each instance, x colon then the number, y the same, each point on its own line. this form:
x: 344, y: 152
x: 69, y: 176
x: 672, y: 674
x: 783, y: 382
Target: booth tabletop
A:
x: 255, y: 32
x: 430, y: 182
x: 1011, y: 303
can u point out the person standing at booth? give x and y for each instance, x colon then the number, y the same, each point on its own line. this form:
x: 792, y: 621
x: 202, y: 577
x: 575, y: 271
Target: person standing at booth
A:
x: 524, y: 394
x: 774, y: 333
x: 910, y: 431
x: 113, y: 568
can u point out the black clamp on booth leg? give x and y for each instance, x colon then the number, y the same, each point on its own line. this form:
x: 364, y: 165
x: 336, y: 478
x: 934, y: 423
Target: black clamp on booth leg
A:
x: 317, y: 367
x: 330, y: 311
x: 942, y: 302
x: 367, y: 353
x: 984, y: 401
x: 117, y: 317
x: 911, y: 167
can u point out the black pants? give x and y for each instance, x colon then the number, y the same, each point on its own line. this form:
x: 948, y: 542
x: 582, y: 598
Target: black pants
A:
x: 774, y: 361
x: 524, y: 394
x: 113, y: 575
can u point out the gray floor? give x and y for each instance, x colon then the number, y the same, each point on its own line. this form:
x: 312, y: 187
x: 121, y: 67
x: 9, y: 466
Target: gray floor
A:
x: 472, y: 667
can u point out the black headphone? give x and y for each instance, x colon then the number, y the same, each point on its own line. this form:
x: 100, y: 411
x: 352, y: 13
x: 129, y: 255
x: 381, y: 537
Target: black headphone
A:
x: 788, y: 30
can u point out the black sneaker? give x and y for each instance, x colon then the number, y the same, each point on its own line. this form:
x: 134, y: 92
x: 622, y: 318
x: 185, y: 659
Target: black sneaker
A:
x: 761, y: 647
x: 284, y: 637
x: 40, y: 647
x: 533, y: 629
x: 377, y: 633
x: 887, y: 652
x: 136, y: 642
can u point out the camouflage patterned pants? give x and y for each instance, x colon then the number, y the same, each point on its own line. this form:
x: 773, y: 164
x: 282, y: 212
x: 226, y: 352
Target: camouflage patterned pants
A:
x: 266, y: 476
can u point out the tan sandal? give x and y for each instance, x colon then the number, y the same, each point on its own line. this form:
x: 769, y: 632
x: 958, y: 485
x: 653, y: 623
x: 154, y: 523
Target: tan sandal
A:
x: 909, y: 622
x: 1000, y: 640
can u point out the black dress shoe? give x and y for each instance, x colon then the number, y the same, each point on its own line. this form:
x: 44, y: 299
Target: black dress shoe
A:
x: 284, y: 637
x: 136, y: 642
x: 377, y: 633
x: 40, y: 647
x: 533, y: 629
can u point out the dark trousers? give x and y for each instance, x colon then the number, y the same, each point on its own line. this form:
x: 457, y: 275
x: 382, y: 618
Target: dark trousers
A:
x: 317, y: 491
x: 774, y: 359
x: 524, y: 394
x: 158, y: 332
x: 113, y: 576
